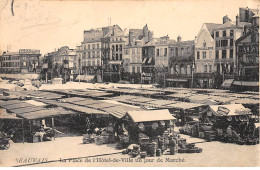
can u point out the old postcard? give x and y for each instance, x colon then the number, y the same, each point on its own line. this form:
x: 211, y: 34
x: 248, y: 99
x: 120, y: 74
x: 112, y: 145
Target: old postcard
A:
x: 150, y: 83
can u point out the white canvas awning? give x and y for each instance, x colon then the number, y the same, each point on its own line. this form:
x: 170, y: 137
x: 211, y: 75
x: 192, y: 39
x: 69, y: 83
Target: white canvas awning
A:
x: 151, y: 115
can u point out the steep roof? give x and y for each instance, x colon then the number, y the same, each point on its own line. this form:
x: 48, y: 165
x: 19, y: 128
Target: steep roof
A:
x: 211, y: 26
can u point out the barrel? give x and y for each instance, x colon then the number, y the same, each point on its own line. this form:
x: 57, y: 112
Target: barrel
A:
x: 158, y: 152
x: 173, y: 150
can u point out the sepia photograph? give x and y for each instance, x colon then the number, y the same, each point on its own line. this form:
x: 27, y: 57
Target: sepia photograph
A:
x: 109, y: 83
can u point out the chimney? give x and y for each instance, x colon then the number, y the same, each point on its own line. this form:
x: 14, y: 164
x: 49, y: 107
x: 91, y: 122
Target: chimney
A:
x: 131, y: 37
x: 237, y: 20
x: 226, y: 19
x: 150, y: 36
x: 179, y: 39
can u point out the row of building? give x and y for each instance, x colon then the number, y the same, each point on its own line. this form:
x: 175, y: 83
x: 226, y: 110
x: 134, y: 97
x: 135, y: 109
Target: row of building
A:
x: 219, y: 52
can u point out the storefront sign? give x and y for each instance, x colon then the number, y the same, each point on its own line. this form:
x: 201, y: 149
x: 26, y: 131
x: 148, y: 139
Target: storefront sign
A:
x: 29, y: 51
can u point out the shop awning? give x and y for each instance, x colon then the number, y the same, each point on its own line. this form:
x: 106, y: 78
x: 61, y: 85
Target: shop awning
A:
x: 229, y: 110
x: 247, y: 83
x: 86, y: 78
x: 144, y: 60
x: 177, y: 80
x: 115, y: 62
x: 227, y: 83
x: 149, y: 116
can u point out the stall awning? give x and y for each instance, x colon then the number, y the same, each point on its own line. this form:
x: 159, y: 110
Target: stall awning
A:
x: 115, y: 62
x: 227, y: 83
x: 5, y: 115
x: 184, y: 105
x: 177, y: 80
x: 247, y: 83
x: 46, y: 113
x: 229, y: 110
x: 151, y: 115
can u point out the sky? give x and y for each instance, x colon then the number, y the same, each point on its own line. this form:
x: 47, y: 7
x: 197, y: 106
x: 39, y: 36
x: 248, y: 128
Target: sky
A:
x: 48, y: 24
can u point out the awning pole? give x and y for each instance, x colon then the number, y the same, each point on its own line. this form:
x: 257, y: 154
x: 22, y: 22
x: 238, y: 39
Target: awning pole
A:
x: 23, y: 129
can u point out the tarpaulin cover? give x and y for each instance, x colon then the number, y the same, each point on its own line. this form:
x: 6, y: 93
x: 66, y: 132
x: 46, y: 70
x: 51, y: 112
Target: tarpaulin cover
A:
x: 149, y: 116
x: 119, y: 110
x: 229, y: 110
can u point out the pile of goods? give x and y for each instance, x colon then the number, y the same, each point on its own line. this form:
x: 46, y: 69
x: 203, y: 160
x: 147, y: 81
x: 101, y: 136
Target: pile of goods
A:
x: 103, y: 138
x: 168, y: 142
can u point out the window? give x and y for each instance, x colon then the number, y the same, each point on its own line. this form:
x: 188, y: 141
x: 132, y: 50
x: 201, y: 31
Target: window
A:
x: 176, y: 51
x: 204, y: 54
x: 157, y: 52
x: 231, y: 42
x: 224, y: 33
x: 198, y: 55
x: 93, y: 46
x: 205, y: 68
x: 93, y: 54
x: 224, y: 43
x: 224, y: 53
x: 182, y: 51
x: 89, y: 55
x: 231, y: 53
x: 217, y: 54
x: 85, y: 47
x: 133, y: 51
x: 97, y: 46
x: 165, y: 51
x: 133, y: 69
x: 98, y: 63
x: 217, y: 43
x: 120, y: 47
x: 138, y: 50
x: 116, y: 47
x: 98, y: 54
x: 93, y: 63
x: 126, y: 51
x: 121, y: 57
x: 138, y: 70
x: 217, y: 34
x: 231, y: 33
x: 89, y: 46
x: 210, y: 68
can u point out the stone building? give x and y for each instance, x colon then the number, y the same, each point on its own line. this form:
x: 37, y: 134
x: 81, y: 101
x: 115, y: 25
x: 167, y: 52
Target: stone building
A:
x: 205, y: 56
x: 247, y: 51
x: 181, y: 62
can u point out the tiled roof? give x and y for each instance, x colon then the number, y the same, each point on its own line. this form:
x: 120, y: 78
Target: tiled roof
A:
x: 212, y: 26
x: 233, y: 25
x: 138, y: 33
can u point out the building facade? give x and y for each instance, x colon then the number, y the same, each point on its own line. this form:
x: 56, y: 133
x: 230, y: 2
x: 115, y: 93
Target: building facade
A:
x: 181, y: 63
x: 133, y: 52
x: 24, y: 61
x: 10, y: 62
x: 205, y: 57
x: 225, y: 48
x: 247, y: 48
